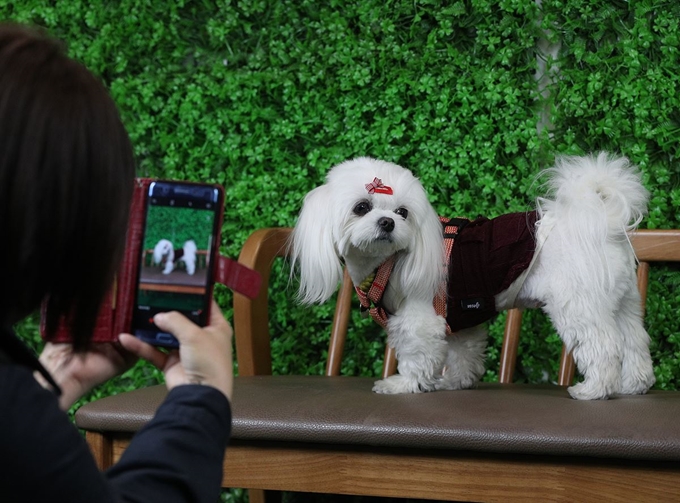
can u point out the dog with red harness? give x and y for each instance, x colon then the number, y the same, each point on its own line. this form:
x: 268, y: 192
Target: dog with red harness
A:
x: 433, y: 282
x: 165, y: 255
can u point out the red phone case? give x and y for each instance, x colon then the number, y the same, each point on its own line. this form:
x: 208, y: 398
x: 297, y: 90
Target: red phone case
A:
x: 115, y: 314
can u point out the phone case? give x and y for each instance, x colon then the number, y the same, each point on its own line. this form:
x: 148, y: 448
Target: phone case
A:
x: 115, y: 315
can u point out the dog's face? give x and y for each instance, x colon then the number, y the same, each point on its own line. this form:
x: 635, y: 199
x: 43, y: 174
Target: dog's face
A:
x: 367, y: 211
x: 376, y: 227
x: 377, y: 224
x: 375, y: 207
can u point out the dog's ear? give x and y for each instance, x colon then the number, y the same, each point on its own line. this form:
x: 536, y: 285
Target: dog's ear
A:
x: 312, y: 247
x: 421, y: 271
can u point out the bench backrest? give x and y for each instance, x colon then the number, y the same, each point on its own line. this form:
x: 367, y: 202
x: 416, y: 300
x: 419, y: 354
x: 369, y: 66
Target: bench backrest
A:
x: 251, y: 317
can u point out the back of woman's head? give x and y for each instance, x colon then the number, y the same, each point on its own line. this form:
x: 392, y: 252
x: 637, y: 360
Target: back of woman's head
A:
x: 66, y: 176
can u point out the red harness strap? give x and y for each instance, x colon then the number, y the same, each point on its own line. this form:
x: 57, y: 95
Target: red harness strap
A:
x: 370, y: 297
x: 374, y: 293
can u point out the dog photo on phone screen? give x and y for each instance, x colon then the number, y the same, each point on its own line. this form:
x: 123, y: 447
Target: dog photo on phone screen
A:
x: 166, y: 267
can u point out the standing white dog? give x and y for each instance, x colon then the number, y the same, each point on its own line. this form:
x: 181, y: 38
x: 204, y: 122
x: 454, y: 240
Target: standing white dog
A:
x: 572, y: 257
x: 164, y: 251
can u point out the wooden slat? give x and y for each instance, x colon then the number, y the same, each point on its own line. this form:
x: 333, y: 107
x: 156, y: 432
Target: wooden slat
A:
x: 101, y: 446
x: 339, y: 330
x: 567, y: 368
x: 656, y: 245
x: 251, y: 318
x: 508, y: 355
x: 449, y: 476
x: 643, y: 282
x: 174, y: 288
x: 389, y: 362
x: 257, y: 496
x: 454, y: 476
x: 261, y: 496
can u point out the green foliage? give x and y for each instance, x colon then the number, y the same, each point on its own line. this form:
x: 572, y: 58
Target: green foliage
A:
x: 617, y: 89
x: 178, y: 225
x: 264, y: 97
x: 662, y: 322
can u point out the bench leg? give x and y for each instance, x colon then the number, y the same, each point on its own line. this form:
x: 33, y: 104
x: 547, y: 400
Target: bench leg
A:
x: 101, y: 446
x: 261, y: 496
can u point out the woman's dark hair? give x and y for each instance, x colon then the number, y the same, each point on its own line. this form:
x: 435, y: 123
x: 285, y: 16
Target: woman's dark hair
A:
x: 66, y: 178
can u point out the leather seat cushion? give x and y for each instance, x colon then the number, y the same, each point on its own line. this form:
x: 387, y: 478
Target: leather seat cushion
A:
x: 515, y: 418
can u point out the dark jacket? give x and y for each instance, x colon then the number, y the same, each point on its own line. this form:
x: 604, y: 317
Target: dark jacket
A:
x: 488, y: 255
x: 176, y: 457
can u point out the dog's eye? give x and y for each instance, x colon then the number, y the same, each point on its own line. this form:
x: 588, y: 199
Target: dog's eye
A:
x: 362, y: 208
x: 402, y: 212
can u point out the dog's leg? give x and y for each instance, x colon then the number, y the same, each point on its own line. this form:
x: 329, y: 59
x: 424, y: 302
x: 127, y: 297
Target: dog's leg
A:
x: 169, y: 266
x: 418, y: 336
x: 592, y: 334
x: 191, y: 266
x: 637, y: 371
x: 465, y: 360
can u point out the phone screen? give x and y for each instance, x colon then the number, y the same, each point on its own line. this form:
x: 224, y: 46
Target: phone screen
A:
x: 176, y: 262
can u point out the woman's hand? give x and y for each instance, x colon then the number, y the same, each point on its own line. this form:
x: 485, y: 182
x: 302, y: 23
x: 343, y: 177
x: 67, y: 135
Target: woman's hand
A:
x: 204, y: 355
x: 78, y: 373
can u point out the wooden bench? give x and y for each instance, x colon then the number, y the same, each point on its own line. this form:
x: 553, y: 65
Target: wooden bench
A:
x: 500, y: 442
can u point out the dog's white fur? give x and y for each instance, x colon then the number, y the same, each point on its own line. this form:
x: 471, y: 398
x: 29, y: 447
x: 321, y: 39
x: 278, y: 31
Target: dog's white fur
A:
x: 164, y: 250
x: 583, y: 276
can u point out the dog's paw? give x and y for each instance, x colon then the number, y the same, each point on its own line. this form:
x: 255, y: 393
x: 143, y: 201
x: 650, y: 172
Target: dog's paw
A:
x: 397, y: 384
x: 455, y: 380
x: 637, y: 385
x: 586, y: 391
x: 447, y: 384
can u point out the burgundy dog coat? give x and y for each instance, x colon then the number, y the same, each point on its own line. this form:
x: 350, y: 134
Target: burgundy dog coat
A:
x: 488, y: 256
x: 485, y: 256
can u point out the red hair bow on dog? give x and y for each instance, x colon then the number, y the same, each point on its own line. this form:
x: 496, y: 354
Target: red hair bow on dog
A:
x: 377, y: 187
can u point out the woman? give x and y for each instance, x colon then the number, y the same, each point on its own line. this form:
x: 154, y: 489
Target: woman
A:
x: 66, y: 173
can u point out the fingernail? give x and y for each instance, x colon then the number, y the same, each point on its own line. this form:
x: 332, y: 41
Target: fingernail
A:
x: 159, y: 317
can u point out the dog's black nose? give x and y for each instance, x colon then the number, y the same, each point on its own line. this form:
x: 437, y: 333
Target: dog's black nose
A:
x: 386, y: 224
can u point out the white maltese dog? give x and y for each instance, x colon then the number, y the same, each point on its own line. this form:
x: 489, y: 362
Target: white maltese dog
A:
x: 571, y: 256
x: 164, y: 251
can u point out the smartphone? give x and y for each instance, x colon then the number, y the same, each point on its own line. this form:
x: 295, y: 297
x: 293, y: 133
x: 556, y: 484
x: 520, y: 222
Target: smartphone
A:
x: 177, y: 257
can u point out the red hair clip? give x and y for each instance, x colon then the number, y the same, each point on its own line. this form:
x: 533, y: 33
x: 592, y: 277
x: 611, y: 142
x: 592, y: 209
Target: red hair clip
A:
x: 377, y: 187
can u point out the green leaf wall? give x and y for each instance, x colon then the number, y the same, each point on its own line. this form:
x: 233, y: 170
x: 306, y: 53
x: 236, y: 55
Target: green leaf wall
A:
x: 265, y: 96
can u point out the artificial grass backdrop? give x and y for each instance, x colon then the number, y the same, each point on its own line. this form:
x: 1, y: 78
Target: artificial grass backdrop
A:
x: 264, y: 97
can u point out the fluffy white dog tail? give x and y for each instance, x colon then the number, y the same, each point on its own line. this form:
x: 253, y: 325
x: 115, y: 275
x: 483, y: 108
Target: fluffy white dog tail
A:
x: 610, y: 187
x: 593, y: 200
x: 312, y: 248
